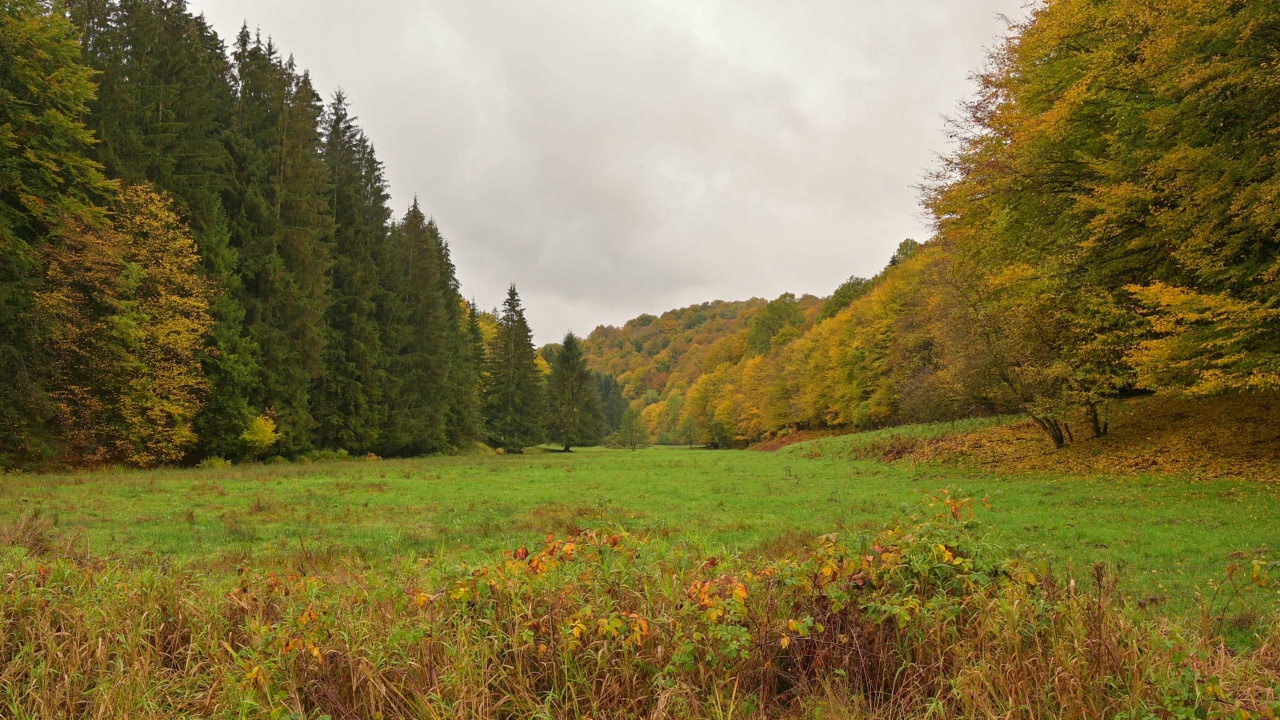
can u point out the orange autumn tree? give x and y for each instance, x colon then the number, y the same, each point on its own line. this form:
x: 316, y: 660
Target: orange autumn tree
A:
x: 129, y: 312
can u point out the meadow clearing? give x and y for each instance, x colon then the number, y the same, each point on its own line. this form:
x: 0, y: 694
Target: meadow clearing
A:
x: 815, y: 581
x: 1167, y: 536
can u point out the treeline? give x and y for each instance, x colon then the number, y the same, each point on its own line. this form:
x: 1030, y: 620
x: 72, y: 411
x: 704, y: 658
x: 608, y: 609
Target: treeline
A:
x: 198, y: 260
x: 1108, y: 225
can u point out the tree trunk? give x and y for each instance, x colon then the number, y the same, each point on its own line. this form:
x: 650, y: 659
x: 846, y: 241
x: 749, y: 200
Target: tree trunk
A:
x: 1100, y: 426
x: 1053, y: 429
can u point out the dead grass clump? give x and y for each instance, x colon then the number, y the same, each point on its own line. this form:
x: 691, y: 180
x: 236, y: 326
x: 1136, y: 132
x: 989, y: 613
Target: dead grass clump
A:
x: 238, y: 528
x: 33, y: 530
x: 343, y: 487
x: 204, y: 488
x: 560, y: 519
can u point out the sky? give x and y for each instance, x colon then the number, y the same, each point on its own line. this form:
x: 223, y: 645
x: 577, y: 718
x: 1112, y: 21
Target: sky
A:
x: 619, y: 158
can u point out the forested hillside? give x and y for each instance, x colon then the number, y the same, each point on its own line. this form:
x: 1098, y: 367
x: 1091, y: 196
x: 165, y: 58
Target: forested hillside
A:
x: 198, y: 259
x: 1107, y: 225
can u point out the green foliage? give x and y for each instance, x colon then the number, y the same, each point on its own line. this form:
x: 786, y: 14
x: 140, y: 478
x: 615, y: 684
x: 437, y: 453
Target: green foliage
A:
x: 849, y: 290
x: 346, y: 329
x: 574, y: 415
x: 612, y: 403
x: 776, y: 317
x: 514, y: 401
x: 632, y: 433
x: 46, y: 178
x: 427, y: 342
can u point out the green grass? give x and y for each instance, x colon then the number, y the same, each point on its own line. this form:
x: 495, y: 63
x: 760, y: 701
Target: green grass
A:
x: 1169, y: 536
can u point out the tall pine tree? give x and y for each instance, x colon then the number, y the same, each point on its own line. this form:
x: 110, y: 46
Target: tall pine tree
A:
x: 350, y: 407
x: 574, y: 415
x: 513, y: 397
x: 422, y: 337
x: 280, y: 221
x: 163, y: 115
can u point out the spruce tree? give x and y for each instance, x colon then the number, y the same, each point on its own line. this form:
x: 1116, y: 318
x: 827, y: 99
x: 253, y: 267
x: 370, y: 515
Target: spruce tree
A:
x: 422, y: 337
x: 162, y: 115
x: 467, y: 424
x: 574, y: 414
x: 279, y: 208
x: 612, y: 403
x: 350, y: 406
x: 513, y: 397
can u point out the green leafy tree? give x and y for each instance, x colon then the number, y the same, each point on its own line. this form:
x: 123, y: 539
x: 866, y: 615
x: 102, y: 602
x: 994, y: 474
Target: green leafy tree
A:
x: 775, y: 318
x: 513, y: 384
x: 574, y: 415
x: 633, y: 434
x: 849, y: 290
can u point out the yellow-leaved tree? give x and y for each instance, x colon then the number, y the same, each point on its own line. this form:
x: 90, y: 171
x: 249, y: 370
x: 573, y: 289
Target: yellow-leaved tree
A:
x: 130, y: 312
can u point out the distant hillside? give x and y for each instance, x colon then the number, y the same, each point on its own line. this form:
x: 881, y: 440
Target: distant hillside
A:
x: 1106, y: 227
x: 658, y: 358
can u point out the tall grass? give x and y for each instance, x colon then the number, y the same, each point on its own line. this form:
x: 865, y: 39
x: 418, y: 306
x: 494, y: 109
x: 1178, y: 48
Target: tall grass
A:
x: 923, y: 619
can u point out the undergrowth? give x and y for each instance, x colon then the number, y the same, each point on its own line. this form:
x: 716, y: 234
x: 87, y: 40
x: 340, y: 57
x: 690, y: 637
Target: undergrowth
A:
x: 925, y: 618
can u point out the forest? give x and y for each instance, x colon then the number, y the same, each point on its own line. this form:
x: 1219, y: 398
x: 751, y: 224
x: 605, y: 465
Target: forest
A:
x: 1106, y: 227
x: 262, y: 456
x: 198, y: 263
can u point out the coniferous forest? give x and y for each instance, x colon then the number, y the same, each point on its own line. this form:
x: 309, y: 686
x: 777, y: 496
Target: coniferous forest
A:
x: 199, y: 260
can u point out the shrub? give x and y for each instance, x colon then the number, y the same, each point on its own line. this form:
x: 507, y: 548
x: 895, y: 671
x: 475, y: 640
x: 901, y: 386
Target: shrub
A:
x: 260, y: 435
x: 214, y: 463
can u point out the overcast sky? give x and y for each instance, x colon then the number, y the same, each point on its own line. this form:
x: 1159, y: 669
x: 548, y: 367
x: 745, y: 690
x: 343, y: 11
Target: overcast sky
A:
x: 613, y: 158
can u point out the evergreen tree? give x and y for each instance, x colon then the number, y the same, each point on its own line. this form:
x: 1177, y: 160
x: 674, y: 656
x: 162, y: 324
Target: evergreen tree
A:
x: 468, y: 422
x: 422, y: 337
x: 574, y: 415
x: 350, y: 408
x: 279, y: 208
x: 513, y: 397
x: 163, y: 113
x: 612, y: 402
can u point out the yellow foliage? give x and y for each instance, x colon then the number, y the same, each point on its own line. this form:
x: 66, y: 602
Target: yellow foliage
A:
x: 129, y: 311
x: 261, y: 434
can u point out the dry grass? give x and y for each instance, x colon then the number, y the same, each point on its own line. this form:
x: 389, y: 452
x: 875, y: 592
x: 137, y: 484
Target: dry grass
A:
x: 923, y: 620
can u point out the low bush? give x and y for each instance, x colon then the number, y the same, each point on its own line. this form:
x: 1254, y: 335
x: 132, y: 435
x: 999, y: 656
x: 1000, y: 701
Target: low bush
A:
x: 214, y: 463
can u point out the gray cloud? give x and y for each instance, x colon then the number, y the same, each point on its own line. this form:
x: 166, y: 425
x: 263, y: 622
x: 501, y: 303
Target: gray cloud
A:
x: 616, y: 158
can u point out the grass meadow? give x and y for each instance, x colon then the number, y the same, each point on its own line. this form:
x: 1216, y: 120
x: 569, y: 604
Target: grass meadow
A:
x: 824, y: 580
x: 1166, y: 536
